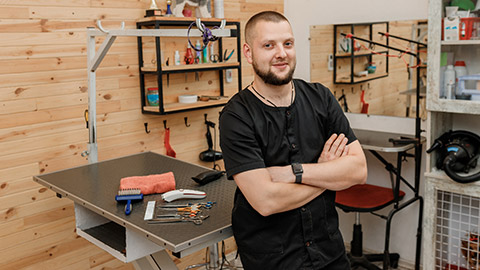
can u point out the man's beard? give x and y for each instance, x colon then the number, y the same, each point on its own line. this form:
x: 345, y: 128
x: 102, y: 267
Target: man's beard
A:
x: 270, y: 78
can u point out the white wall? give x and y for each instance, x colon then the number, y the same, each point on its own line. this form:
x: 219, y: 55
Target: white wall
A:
x: 304, y: 13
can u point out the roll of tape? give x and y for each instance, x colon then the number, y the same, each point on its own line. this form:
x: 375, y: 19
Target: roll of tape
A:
x: 187, y: 98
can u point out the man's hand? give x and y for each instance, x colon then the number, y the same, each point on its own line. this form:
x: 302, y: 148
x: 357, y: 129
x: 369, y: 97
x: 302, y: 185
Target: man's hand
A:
x: 335, y: 147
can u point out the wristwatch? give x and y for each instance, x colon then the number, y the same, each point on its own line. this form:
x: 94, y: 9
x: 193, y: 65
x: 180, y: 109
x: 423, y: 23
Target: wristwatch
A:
x: 297, y: 169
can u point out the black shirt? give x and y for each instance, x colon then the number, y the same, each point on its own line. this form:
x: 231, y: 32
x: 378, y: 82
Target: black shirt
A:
x: 254, y: 135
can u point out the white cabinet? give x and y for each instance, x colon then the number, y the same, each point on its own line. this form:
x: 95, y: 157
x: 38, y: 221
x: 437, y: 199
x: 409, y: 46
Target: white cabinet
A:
x: 451, y: 209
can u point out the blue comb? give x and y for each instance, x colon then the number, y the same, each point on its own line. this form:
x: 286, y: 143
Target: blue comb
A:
x: 129, y: 195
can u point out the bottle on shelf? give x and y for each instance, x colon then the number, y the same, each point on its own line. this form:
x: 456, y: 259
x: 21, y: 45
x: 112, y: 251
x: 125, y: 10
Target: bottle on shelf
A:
x: 449, y: 82
x: 198, y: 49
x: 177, y: 58
x: 460, y: 70
x: 189, y: 59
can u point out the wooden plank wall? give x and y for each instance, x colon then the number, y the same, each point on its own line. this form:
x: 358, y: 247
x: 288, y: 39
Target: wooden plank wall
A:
x: 43, y: 95
x: 381, y: 94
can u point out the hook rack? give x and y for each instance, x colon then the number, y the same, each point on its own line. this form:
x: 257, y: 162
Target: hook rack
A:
x: 186, y: 121
x: 165, y: 124
x: 146, y: 127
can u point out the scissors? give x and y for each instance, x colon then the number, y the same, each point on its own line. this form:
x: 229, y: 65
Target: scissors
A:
x: 197, y: 220
x: 225, y: 57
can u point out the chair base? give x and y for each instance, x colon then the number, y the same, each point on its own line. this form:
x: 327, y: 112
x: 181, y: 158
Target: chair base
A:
x: 358, y: 259
x: 365, y: 261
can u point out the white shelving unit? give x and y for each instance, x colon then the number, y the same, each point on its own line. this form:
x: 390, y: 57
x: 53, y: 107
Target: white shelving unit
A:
x: 451, y: 209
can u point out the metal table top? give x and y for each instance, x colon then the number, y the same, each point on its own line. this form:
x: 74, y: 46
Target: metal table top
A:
x: 379, y: 141
x: 94, y: 186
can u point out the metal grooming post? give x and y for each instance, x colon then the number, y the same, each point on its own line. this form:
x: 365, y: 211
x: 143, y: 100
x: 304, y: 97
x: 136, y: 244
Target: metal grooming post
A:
x: 94, y: 58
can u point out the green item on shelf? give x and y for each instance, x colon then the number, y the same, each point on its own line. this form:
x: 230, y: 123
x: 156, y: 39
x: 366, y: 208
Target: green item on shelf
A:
x: 443, y: 59
x: 463, y: 4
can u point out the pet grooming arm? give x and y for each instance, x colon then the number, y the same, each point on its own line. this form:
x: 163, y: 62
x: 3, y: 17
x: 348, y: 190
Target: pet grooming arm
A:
x: 94, y: 59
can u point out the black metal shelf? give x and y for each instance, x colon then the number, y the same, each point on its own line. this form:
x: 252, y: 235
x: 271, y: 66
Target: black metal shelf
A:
x: 353, y: 56
x: 159, y: 69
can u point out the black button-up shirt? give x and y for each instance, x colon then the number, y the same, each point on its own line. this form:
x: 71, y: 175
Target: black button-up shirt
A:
x: 254, y: 135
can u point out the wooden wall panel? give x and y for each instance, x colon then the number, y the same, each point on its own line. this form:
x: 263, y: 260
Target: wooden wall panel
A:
x: 43, y: 96
x: 383, y: 95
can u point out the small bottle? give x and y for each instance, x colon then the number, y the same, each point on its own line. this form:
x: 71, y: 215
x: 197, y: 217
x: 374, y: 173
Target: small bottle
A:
x: 177, y: 58
x: 198, y: 48
x: 449, y: 82
x: 205, y: 54
x: 460, y: 70
x: 189, y: 55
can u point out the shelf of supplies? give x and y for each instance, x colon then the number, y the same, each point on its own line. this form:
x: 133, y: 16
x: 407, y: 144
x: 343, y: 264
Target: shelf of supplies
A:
x: 358, y: 54
x: 461, y: 42
x: 194, y: 67
x: 369, y: 77
x: 175, y: 107
x: 454, y: 106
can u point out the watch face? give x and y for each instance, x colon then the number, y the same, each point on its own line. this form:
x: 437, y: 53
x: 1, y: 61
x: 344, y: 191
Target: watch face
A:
x: 297, y: 168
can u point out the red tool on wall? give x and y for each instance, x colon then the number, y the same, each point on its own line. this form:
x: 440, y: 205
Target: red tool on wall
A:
x: 364, y: 104
x: 166, y: 141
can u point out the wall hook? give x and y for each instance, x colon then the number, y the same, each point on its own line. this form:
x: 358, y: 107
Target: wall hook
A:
x: 146, y: 127
x: 165, y: 124
x: 205, y: 115
x: 186, y: 122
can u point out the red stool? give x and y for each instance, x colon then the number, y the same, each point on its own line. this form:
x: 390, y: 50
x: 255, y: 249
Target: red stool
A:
x: 362, y: 199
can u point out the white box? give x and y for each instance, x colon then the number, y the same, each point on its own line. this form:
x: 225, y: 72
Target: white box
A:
x: 450, y: 28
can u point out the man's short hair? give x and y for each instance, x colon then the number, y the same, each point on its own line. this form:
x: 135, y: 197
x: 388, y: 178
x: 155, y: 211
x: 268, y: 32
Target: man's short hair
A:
x: 268, y: 16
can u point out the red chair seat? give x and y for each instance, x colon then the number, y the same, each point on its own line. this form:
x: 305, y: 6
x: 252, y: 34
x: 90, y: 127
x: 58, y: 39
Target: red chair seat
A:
x: 365, y: 198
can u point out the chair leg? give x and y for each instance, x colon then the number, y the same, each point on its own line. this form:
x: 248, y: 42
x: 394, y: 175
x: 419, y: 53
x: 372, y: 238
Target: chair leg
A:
x: 356, y: 256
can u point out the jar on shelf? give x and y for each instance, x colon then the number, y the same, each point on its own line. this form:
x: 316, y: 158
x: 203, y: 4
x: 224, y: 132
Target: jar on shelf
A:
x: 152, y: 96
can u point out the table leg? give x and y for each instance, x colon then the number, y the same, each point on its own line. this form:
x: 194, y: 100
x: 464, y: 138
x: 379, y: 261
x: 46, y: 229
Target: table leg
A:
x: 159, y: 260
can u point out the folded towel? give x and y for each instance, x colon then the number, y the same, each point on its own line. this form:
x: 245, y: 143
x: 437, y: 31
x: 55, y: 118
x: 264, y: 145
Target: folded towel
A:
x: 150, y: 184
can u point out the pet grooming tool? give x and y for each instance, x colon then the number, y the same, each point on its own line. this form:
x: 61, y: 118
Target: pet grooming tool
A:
x: 208, y: 176
x: 183, y: 194
x: 129, y: 195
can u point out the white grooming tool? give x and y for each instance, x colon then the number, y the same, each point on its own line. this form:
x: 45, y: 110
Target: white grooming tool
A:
x: 183, y: 194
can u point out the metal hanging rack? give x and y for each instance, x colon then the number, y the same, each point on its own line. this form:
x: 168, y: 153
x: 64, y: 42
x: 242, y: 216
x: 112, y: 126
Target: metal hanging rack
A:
x: 94, y: 58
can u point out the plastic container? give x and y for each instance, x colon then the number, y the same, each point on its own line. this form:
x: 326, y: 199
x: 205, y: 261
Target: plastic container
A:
x: 469, y: 27
x: 218, y: 9
x: 449, y: 82
x: 460, y: 70
x: 152, y: 96
x: 198, y: 49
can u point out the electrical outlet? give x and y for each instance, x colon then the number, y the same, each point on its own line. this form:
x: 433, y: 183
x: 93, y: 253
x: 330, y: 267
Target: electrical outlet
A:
x: 330, y: 62
x: 228, y: 75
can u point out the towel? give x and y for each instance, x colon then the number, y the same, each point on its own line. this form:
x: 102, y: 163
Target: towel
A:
x: 150, y: 184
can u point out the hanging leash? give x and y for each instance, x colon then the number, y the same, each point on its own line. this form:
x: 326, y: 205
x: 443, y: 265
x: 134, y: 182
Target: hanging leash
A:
x: 207, y: 35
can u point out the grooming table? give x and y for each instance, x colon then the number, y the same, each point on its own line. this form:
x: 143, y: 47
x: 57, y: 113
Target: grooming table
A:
x: 102, y: 221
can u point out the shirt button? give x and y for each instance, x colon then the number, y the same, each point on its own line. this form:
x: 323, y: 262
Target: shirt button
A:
x: 294, y: 146
x: 307, y: 244
x: 303, y: 209
x: 288, y: 112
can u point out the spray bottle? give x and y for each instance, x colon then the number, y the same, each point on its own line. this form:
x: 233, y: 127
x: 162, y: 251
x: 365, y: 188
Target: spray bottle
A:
x: 188, y: 55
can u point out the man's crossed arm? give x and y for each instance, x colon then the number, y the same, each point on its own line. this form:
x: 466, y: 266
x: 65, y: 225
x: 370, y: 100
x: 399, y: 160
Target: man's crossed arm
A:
x: 273, y: 190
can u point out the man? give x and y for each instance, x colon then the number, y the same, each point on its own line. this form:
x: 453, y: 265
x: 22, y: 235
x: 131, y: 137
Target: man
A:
x: 273, y: 136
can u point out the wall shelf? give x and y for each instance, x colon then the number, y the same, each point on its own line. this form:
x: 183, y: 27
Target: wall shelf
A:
x: 357, y: 60
x: 446, y: 201
x: 155, y: 70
